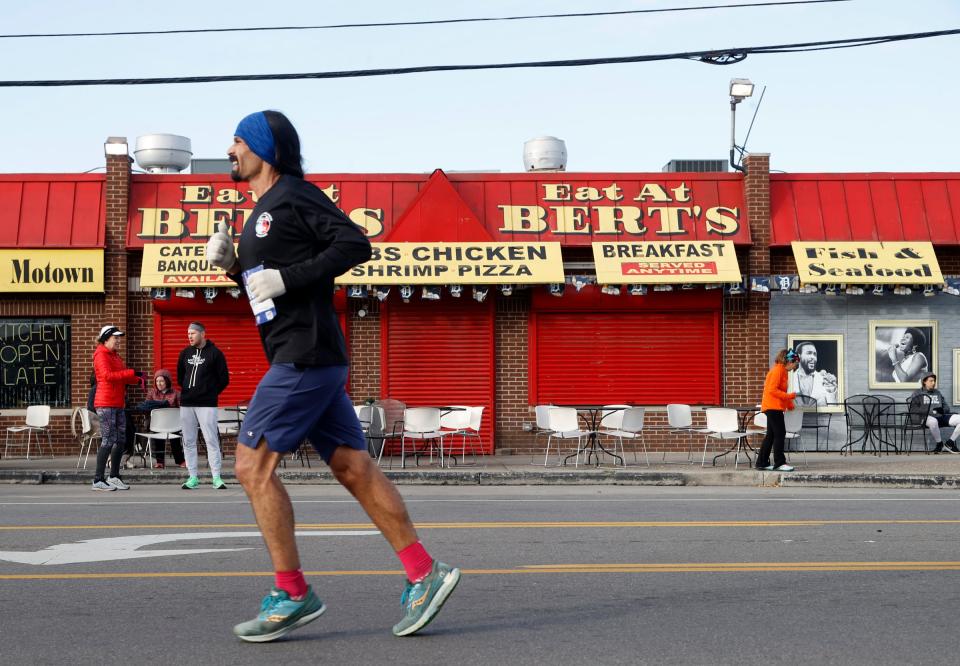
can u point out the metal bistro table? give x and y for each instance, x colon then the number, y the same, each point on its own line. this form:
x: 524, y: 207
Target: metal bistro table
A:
x: 593, y: 447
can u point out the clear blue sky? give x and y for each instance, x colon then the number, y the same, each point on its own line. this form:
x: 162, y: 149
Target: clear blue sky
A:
x: 878, y: 108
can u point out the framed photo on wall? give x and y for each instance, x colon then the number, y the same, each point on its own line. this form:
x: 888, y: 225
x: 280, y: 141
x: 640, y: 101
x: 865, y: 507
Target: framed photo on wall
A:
x: 901, y: 352
x: 820, y: 374
x: 956, y: 376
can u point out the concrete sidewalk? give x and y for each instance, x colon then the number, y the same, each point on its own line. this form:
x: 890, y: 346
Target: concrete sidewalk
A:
x: 817, y: 470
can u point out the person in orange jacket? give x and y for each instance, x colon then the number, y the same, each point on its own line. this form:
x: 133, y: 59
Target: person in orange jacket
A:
x: 775, y: 402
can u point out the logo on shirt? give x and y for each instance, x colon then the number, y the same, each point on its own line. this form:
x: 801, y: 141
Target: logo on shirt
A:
x: 262, y: 227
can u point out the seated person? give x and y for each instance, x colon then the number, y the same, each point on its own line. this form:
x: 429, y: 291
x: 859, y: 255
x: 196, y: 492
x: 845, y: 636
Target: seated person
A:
x: 161, y: 395
x: 939, y: 413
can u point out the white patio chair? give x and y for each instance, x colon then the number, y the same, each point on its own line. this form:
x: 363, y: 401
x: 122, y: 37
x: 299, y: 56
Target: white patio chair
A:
x: 563, y: 424
x: 164, y: 423
x: 228, y: 421
x: 464, y: 422
x: 89, y: 431
x: 680, y: 420
x: 631, y: 427
x: 38, y: 418
x: 723, y: 424
x: 421, y: 423
x: 793, y: 421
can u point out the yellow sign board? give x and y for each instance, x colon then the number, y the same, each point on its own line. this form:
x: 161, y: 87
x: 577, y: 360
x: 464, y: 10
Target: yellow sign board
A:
x: 867, y: 263
x: 674, y: 262
x: 459, y: 263
x: 180, y: 264
x: 51, y: 271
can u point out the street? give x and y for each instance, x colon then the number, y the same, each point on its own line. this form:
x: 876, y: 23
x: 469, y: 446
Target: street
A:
x: 600, y: 574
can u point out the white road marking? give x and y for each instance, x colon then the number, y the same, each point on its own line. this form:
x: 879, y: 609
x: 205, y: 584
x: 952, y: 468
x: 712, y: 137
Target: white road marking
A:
x: 126, y: 548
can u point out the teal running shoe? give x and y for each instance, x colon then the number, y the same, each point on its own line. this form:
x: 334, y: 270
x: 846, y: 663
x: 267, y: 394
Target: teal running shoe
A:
x: 422, y: 601
x: 191, y: 483
x: 218, y: 483
x: 279, y: 615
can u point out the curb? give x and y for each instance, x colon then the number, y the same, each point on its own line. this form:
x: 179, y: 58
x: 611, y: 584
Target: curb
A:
x: 609, y: 477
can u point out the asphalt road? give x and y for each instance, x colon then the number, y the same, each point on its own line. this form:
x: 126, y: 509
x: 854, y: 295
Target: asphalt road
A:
x: 604, y: 575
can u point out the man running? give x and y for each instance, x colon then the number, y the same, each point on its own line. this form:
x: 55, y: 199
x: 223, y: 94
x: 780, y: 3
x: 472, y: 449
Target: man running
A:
x: 294, y: 246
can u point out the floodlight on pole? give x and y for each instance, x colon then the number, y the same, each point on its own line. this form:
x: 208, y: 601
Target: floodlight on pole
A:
x: 740, y: 89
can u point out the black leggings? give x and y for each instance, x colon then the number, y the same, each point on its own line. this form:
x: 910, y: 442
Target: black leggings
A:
x: 776, y: 434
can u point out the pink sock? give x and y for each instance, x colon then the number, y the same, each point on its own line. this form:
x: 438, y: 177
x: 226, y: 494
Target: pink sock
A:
x: 416, y: 561
x: 291, y: 582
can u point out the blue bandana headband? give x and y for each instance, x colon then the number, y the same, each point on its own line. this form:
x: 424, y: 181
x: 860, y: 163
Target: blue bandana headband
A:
x: 255, y: 131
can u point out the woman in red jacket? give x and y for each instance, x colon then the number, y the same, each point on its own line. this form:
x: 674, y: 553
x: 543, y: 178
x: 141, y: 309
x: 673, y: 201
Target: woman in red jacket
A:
x: 775, y: 402
x: 112, y: 379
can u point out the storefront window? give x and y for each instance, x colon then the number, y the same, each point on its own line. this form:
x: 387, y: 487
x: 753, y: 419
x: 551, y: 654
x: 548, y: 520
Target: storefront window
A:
x: 34, y: 362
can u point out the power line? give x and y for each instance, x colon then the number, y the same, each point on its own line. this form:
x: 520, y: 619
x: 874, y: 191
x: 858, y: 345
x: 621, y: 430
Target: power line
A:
x: 414, y: 23
x: 713, y: 57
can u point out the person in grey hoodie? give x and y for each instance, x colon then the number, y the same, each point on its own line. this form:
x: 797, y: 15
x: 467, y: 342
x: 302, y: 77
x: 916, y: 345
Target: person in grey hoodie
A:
x: 939, y: 416
x: 202, y: 375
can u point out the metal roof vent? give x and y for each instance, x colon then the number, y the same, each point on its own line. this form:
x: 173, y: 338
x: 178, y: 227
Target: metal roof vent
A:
x: 545, y: 153
x: 163, y: 153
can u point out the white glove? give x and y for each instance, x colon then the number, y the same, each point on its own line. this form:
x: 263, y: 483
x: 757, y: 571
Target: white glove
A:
x: 220, y: 252
x: 266, y: 284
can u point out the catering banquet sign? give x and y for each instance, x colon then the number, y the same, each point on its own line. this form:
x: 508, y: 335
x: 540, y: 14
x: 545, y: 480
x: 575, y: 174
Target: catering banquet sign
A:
x: 867, y: 263
x: 459, y: 263
x: 666, y: 262
x: 186, y: 265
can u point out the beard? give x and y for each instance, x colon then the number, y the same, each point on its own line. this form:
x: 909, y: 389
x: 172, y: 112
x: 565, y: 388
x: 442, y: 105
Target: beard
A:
x: 235, y: 173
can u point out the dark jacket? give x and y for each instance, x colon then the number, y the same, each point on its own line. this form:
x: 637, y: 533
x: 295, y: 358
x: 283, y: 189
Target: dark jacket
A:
x: 938, y: 404
x: 112, y: 378
x: 202, y: 375
x: 171, y: 396
x: 296, y: 229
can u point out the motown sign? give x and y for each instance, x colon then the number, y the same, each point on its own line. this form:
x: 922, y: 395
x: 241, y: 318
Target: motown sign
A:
x: 459, y: 263
x: 867, y: 263
x: 665, y: 263
x: 56, y: 271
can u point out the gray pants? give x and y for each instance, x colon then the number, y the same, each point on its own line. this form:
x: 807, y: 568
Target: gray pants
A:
x: 205, y: 419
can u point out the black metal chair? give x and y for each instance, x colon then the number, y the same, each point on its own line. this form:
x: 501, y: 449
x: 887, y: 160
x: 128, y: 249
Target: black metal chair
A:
x: 886, y: 424
x: 861, y: 414
x: 814, y: 419
x: 915, y: 420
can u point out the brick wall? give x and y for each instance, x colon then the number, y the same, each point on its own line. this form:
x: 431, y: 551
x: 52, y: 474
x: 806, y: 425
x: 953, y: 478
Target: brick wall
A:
x: 510, y: 339
x: 746, y: 322
x: 364, y: 341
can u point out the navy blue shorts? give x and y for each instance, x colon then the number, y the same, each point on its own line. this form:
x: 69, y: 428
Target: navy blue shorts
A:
x: 292, y: 404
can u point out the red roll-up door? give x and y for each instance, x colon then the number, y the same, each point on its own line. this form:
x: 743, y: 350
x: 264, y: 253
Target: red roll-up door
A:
x: 436, y: 354
x: 643, y: 357
x: 237, y: 338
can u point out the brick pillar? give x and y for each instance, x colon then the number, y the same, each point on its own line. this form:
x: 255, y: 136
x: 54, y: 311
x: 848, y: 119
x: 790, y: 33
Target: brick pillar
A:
x: 115, y: 270
x: 746, y: 319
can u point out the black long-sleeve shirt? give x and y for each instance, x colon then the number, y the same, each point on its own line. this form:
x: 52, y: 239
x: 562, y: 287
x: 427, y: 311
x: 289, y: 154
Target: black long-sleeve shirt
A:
x: 295, y: 228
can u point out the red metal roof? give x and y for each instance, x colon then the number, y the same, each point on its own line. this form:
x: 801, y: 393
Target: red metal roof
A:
x: 865, y: 207
x: 52, y: 211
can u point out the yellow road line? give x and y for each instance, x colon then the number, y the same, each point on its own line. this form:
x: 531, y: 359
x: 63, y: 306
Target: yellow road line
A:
x: 690, y: 567
x: 501, y: 524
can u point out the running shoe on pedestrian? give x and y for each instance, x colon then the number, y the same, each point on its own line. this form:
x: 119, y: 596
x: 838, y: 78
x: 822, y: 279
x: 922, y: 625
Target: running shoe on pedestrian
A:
x: 938, y: 448
x: 101, y: 485
x: 191, y: 483
x: 117, y: 483
x: 279, y: 615
x: 765, y: 468
x: 421, y: 601
x: 158, y: 465
x: 182, y: 464
x: 785, y: 468
x: 951, y: 446
x: 218, y: 483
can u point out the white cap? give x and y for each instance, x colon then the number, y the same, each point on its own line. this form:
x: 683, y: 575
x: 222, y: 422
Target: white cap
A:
x: 108, y: 331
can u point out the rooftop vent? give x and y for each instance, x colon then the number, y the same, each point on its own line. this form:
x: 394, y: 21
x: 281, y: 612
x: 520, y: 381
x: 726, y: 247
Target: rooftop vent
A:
x: 545, y: 153
x: 695, y: 166
x: 163, y: 153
